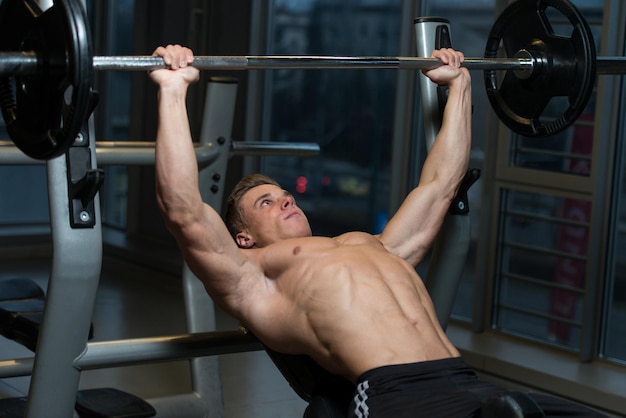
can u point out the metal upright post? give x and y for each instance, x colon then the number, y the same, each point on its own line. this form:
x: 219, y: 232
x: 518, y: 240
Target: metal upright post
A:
x: 73, y: 181
x: 452, y: 244
x: 217, y: 125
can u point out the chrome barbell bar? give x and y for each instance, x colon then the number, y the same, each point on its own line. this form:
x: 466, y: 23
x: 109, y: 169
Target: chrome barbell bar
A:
x: 28, y: 63
x: 303, y: 62
x: 605, y: 65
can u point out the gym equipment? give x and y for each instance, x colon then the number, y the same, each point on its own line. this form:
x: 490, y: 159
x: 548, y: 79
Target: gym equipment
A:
x: 28, y: 63
x: 50, y: 105
x: 142, y: 152
x: 21, y: 306
x: 525, y: 31
x: 21, y: 311
x: 512, y: 404
x: 540, y: 66
x: 452, y: 243
x: 90, y: 403
x: 110, y: 402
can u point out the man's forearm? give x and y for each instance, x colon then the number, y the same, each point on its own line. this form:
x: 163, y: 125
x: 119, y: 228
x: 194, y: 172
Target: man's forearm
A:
x: 448, y: 159
x: 176, y: 165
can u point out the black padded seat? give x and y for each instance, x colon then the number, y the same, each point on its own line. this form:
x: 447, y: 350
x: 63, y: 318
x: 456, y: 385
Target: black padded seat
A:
x: 21, y: 311
x: 21, y: 307
x: 20, y: 321
x: 19, y: 288
x: 111, y: 403
x: 512, y: 404
x: 91, y: 403
x: 12, y: 407
x: 327, y: 394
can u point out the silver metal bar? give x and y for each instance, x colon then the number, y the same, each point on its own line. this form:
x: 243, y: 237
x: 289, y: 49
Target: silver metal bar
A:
x: 18, y: 63
x: 17, y: 367
x: 105, y: 354
x: 611, y: 65
x: 274, y: 148
x: 108, y: 153
x: 177, y: 347
x: 26, y: 63
x: 303, y: 62
x: 142, y: 153
x: 11, y: 155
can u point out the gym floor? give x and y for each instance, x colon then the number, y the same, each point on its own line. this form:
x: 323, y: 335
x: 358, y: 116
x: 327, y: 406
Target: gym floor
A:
x: 136, y: 302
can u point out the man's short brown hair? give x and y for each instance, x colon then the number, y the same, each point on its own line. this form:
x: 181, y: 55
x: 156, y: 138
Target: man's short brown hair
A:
x: 234, y: 218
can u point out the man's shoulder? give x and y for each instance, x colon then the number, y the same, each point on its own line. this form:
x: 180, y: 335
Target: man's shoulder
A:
x: 357, y: 238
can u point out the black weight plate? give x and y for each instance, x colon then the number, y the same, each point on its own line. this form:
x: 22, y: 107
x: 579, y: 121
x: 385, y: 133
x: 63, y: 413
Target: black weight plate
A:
x: 40, y: 119
x: 564, y: 67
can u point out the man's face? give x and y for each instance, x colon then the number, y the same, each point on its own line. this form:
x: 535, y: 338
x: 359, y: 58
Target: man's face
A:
x: 272, y: 215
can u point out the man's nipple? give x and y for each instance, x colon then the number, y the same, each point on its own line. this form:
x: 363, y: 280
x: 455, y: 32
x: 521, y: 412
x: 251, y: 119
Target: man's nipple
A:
x: 296, y: 250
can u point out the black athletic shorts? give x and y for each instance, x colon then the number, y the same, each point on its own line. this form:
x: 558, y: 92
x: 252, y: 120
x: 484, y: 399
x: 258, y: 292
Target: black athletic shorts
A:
x: 441, y: 389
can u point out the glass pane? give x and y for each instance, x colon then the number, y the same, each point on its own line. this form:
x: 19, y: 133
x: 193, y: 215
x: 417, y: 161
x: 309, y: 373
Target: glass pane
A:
x: 23, y: 196
x: 541, y: 270
x: 569, y: 151
x: 348, y: 112
x: 114, y: 107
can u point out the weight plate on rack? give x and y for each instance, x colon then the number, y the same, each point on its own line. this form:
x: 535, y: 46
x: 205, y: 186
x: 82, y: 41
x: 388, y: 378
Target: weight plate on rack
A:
x: 564, y: 66
x: 45, y: 111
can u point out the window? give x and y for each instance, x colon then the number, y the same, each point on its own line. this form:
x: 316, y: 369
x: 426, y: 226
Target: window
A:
x: 348, y: 112
x: 113, y: 36
x: 24, y: 202
x: 548, y: 282
x: 541, y: 267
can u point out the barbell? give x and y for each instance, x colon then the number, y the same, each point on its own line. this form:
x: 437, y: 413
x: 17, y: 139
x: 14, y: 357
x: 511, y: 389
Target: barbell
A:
x: 29, y: 63
x: 46, y: 57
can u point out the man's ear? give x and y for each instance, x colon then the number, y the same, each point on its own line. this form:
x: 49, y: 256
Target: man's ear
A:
x: 244, y: 240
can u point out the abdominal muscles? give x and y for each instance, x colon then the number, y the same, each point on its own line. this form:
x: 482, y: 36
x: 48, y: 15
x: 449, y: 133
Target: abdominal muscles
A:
x: 359, y: 307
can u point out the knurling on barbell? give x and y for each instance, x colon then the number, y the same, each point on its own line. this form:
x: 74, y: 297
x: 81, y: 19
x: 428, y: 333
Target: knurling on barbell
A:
x: 26, y: 63
x: 45, y: 55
